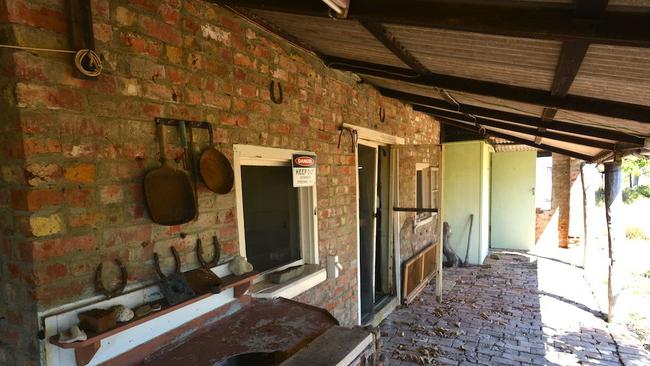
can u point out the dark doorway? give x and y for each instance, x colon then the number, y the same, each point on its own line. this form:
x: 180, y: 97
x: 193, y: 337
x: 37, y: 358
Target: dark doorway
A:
x: 374, y: 221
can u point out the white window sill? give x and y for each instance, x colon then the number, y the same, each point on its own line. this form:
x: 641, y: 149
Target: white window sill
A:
x: 312, y: 276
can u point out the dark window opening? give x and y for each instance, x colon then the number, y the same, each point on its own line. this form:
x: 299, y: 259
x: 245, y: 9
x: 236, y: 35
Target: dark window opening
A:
x: 271, y: 216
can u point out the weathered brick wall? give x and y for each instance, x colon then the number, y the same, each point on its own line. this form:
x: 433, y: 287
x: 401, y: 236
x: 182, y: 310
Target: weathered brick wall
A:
x: 75, y: 190
x: 17, y: 310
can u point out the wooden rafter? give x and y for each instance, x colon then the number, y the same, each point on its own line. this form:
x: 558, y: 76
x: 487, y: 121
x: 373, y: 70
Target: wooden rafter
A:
x: 516, y: 139
x: 521, y: 119
x: 517, y: 128
x: 572, y: 54
x: 393, y: 45
x: 576, y: 103
x: 551, y: 21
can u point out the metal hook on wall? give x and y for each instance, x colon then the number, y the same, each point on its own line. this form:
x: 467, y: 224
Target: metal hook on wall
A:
x: 354, y: 137
x: 276, y: 99
x: 99, y: 285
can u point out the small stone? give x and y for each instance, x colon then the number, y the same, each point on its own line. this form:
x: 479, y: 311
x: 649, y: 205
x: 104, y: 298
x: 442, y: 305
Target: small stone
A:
x: 123, y: 314
x: 239, y: 266
x: 73, y: 334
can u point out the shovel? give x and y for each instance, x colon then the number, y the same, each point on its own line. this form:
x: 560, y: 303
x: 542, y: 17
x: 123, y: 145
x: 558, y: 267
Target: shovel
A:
x: 168, y: 191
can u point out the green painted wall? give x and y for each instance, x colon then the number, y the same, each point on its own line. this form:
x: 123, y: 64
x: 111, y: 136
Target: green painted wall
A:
x: 513, y: 200
x: 467, y: 191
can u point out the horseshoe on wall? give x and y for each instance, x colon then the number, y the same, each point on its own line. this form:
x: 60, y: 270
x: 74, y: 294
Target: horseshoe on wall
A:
x: 99, y: 285
x: 382, y: 114
x: 276, y: 99
x: 177, y: 263
x: 217, y: 253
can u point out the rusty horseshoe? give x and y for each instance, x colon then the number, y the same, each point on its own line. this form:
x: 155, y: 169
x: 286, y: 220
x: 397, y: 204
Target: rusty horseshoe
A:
x: 99, y: 285
x: 177, y: 263
x: 276, y: 99
x: 217, y: 253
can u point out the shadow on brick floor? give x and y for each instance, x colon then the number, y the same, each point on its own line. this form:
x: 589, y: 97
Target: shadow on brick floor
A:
x: 514, y: 310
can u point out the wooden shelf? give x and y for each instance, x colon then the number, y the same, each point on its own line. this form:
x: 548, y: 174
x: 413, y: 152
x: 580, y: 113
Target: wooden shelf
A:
x: 85, y: 350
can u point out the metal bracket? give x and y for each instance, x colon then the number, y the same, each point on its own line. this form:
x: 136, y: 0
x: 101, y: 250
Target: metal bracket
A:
x: 276, y: 99
x: 415, y: 209
x: 175, y: 122
x: 354, y: 136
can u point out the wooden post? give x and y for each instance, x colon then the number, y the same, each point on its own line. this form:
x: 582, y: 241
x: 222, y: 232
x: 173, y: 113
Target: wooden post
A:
x: 585, y: 226
x: 613, y: 203
x: 441, y: 220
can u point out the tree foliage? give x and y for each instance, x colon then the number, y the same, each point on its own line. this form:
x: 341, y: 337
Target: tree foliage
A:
x: 636, y: 166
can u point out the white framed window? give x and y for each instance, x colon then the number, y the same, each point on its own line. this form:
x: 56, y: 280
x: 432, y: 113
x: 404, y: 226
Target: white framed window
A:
x: 276, y: 222
x: 426, y: 191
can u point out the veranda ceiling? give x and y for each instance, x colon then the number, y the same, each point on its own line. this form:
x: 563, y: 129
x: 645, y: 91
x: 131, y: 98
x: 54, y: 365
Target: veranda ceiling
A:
x: 570, y: 76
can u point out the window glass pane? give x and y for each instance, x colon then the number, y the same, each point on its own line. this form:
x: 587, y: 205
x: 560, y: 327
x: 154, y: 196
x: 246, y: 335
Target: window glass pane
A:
x: 271, y: 216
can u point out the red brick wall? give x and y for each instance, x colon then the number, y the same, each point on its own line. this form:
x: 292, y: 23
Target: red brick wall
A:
x: 73, y: 164
x: 564, y: 173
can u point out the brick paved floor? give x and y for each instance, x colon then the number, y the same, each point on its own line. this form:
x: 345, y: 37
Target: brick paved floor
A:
x: 515, y: 310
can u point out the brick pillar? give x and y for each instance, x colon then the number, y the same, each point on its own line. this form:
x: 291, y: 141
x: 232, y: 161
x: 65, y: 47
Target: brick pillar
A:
x: 562, y: 196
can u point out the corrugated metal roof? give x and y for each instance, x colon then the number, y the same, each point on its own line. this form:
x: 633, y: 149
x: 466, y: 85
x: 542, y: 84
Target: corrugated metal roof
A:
x: 616, y: 73
x: 341, y: 38
x: 607, y: 73
x: 514, y: 61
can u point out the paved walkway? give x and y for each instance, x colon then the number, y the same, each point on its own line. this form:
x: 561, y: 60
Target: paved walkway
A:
x: 517, y: 309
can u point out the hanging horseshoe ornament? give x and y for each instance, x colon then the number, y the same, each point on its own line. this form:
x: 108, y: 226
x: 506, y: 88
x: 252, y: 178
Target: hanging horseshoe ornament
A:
x: 217, y: 253
x: 99, y: 284
x: 277, y: 99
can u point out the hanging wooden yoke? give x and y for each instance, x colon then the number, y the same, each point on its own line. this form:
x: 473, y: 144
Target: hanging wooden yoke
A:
x: 177, y: 263
x: 276, y: 99
x: 217, y: 253
x: 99, y: 284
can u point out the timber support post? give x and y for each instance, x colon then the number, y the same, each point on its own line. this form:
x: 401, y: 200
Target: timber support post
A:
x: 613, y: 205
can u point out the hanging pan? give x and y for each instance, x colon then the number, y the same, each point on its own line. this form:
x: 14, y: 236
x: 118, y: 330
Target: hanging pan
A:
x: 215, y: 168
x: 168, y: 191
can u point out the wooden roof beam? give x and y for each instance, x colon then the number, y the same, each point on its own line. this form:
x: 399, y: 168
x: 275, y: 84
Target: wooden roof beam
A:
x: 516, y: 139
x: 572, y: 54
x: 603, y: 107
x: 393, y: 45
x: 578, y: 140
x: 521, y: 119
x: 549, y: 21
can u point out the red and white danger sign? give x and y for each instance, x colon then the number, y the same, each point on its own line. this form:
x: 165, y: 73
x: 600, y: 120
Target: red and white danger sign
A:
x: 304, y: 170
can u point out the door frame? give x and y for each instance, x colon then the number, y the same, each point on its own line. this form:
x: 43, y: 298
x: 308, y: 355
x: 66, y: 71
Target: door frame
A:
x: 373, y: 138
x: 375, y: 147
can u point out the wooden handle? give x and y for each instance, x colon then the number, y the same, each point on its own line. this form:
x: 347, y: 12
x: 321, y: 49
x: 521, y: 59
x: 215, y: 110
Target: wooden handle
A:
x: 161, y: 142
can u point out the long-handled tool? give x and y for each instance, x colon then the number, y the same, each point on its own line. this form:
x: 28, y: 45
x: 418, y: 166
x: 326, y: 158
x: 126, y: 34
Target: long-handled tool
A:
x: 469, y: 238
x: 168, y: 191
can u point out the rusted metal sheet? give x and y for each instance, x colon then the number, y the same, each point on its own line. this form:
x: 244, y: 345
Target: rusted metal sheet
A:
x: 279, y: 325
